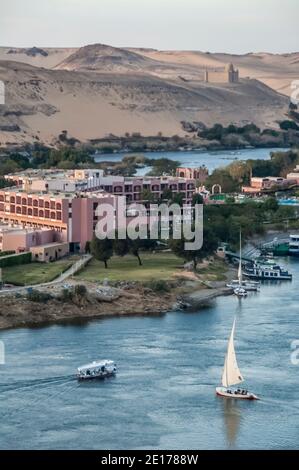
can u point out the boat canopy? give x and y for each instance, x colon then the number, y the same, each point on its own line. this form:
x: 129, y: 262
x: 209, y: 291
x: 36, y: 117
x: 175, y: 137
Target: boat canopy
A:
x: 95, y: 365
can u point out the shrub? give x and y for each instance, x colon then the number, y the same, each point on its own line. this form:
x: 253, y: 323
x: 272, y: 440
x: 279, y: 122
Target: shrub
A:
x: 80, y: 290
x: 38, y: 296
x: 66, y: 295
x: 7, y: 252
x: 158, y: 285
x: 22, y: 258
x: 69, y: 295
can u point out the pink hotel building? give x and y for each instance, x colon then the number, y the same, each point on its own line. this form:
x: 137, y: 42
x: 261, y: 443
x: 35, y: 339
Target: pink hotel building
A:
x: 72, y: 215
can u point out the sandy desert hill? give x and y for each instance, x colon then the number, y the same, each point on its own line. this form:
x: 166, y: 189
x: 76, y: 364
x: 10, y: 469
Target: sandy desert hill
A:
x: 97, y: 90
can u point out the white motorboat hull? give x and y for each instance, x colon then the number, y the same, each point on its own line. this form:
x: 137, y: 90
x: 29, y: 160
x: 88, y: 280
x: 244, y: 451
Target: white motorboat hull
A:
x: 95, y: 376
x: 247, y: 285
x: 223, y: 392
x: 240, y: 292
x: 97, y: 370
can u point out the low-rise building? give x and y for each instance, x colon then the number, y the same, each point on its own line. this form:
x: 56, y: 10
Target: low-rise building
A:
x: 268, y: 184
x: 19, y: 239
x: 49, y: 252
x: 71, y: 216
x: 199, y: 174
x: 87, y: 180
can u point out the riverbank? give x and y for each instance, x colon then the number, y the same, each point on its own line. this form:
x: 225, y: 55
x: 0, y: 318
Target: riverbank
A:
x: 131, y: 299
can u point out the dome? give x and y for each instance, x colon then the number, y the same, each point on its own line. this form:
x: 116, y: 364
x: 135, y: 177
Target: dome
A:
x: 229, y: 67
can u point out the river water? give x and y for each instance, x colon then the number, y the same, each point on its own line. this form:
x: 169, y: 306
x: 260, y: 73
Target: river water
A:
x: 211, y: 160
x: 164, y: 393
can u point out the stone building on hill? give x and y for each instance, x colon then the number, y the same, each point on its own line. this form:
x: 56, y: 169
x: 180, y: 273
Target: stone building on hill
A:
x: 227, y: 75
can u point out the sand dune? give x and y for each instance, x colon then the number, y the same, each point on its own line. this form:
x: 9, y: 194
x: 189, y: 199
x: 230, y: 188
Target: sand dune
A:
x: 97, y: 90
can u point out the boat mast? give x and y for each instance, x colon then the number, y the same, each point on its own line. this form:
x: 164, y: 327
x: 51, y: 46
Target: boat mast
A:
x: 240, y: 261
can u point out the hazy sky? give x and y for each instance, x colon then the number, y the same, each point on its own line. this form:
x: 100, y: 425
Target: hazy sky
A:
x: 208, y: 25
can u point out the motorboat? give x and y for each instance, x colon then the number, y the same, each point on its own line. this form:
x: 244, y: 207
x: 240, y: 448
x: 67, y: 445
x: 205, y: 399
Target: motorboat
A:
x: 231, y: 374
x: 96, y: 370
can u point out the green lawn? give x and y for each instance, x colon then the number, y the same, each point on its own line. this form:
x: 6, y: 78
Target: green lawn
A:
x: 155, y: 266
x: 35, y: 273
x: 214, y: 272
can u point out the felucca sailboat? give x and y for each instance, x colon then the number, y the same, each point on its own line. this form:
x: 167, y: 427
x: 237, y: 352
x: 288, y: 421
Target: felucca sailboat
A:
x: 232, y: 375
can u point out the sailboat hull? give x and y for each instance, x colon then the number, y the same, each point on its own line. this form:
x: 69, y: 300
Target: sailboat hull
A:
x: 230, y: 393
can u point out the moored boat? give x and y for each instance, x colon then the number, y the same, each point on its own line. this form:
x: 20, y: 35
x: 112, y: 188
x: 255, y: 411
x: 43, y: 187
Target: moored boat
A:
x: 240, y: 289
x: 294, y: 245
x: 240, y: 292
x: 231, y: 374
x: 96, y: 370
x: 267, y: 272
x: 249, y: 286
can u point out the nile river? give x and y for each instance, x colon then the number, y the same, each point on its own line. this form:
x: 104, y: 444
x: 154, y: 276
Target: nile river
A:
x: 196, y: 158
x: 164, y: 393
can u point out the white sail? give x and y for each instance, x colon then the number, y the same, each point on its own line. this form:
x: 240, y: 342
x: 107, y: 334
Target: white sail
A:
x: 231, y: 372
x: 240, y: 262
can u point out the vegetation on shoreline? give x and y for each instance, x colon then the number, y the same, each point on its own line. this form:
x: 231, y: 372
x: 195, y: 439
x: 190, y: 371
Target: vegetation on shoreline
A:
x: 237, y: 174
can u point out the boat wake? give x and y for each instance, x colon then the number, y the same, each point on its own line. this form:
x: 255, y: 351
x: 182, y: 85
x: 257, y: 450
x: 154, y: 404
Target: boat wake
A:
x: 24, y: 384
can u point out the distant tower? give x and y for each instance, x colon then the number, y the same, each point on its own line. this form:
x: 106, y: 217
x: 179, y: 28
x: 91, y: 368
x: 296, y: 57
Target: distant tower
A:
x: 232, y: 74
